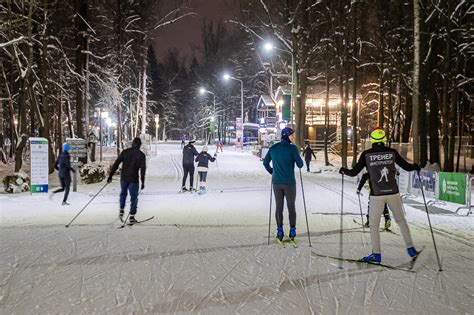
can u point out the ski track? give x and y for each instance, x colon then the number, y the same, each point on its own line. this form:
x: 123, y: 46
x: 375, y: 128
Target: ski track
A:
x: 208, y: 254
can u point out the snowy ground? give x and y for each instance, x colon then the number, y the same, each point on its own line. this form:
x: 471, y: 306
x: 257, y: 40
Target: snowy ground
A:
x: 208, y: 254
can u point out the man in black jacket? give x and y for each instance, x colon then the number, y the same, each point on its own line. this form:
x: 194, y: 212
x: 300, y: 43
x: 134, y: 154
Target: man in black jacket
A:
x: 63, y: 165
x: 308, y: 153
x: 132, y: 160
x: 380, y: 163
x: 189, y: 152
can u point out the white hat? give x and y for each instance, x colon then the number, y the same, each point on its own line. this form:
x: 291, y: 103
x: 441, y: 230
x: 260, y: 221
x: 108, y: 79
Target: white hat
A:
x: 204, y: 148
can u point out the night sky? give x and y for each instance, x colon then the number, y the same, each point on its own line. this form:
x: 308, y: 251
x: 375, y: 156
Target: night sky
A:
x: 186, y: 33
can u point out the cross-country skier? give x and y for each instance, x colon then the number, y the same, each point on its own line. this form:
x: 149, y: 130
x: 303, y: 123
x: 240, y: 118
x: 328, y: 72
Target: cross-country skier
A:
x: 133, y: 160
x: 308, y: 153
x: 203, y: 159
x: 375, y: 160
x: 63, y: 165
x: 189, y: 152
x: 283, y: 156
x: 386, y: 214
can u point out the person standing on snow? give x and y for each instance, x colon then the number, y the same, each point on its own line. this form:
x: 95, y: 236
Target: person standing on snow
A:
x: 380, y: 160
x: 189, y: 152
x: 283, y: 156
x: 203, y: 159
x: 386, y: 214
x: 308, y: 153
x: 63, y: 165
x: 133, y: 160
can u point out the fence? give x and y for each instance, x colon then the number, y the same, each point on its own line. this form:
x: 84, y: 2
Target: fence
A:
x: 439, y: 186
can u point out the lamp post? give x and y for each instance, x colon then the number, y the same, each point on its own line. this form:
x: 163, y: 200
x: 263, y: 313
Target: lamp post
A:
x: 157, y: 122
x: 269, y: 47
x: 102, y: 115
x: 203, y: 91
x: 227, y: 77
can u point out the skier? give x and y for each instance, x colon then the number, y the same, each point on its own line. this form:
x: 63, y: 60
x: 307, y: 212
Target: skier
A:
x: 283, y: 156
x: 307, y: 153
x: 132, y: 160
x: 203, y: 159
x: 183, y: 139
x: 189, y: 152
x: 375, y: 160
x: 386, y: 214
x: 219, y: 146
x: 63, y: 165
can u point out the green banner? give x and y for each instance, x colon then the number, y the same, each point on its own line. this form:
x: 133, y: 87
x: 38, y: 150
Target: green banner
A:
x: 452, y: 187
x: 286, y: 107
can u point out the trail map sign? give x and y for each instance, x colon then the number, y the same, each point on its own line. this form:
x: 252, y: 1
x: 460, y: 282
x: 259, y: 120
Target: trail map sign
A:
x: 39, y: 165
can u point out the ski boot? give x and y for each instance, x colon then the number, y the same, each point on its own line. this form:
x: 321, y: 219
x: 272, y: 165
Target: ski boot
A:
x: 372, y: 258
x: 183, y: 189
x: 280, y: 233
x: 367, y: 222
x: 65, y: 203
x: 388, y: 222
x: 412, y: 252
x: 292, y: 233
x: 132, y: 219
x: 121, y: 212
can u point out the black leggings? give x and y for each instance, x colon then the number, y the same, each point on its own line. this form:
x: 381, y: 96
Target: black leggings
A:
x: 65, y: 184
x: 202, y: 176
x: 188, y: 168
x: 282, y: 192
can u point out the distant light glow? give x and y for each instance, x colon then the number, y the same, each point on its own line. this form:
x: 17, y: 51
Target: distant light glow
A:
x: 226, y: 77
x: 282, y: 125
x: 268, y: 46
x: 108, y: 121
x: 202, y: 90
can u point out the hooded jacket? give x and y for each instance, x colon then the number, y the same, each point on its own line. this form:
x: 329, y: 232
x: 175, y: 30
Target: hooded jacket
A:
x: 189, y: 152
x: 63, y: 165
x: 132, y: 160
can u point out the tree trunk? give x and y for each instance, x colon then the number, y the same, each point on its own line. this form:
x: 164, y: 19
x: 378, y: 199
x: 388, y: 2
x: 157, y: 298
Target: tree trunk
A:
x: 380, y: 118
x: 81, y: 9
x: 326, y: 119
x: 300, y: 111
x: 416, y: 82
x: 144, y: 56
x: 434, y: 126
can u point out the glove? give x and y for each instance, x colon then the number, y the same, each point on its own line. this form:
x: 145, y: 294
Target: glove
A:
x: 416, y: 167
x: 342, y: 170
x: 143, y: 186
x: 215, y: 154
x: 270, y: 171
x: 109, y: 180
x: 358, y: 191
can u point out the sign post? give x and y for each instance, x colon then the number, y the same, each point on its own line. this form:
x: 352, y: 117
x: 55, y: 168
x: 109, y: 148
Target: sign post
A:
x: 78, y: 150
x: 39, y: 165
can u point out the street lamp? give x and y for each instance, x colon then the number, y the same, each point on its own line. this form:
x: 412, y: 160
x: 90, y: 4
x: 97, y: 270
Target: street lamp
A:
x: 227, y: 78
x: 268, y: 46
x: 157, y: 123
x: 102, y: 115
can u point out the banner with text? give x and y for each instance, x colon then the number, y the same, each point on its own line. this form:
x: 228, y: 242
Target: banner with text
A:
x: 428, y: 178
x: 39, y: 165
x: 452, y: 187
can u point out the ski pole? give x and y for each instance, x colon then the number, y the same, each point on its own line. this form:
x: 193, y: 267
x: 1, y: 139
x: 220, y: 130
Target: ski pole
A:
x: 429, y: 222
x: 67, y: 225
x: 341, y: 226
x: 270, y: 214
x: 305, y: 212
x: 361, y: 215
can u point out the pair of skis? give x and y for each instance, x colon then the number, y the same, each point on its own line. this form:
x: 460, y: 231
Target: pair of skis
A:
x: 124, y: 223
x: 410, y: 265
x: 290, y: 241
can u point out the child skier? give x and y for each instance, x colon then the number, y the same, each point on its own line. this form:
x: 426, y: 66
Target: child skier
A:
x: 63, y: 165
x: 380, y: 162
x: 203, y: 159
x: 386, y: 214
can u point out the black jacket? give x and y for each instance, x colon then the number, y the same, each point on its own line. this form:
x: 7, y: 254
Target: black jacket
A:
x: 63, y: 165
x: 307, y: 153
x: 363, y: 179
x: 133, y: 160
x: 189, y: 152
x: 380, y: 163
x: 203, y: 158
